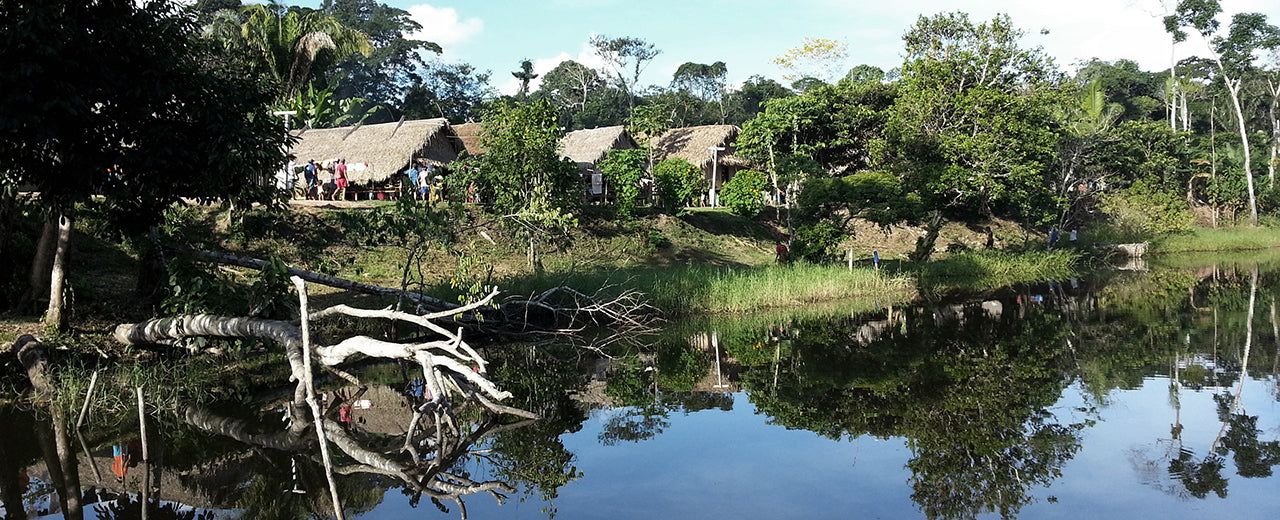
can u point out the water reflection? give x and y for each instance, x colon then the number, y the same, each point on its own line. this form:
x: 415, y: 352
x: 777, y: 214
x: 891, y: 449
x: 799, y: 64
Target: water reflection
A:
x: 1005, y: 404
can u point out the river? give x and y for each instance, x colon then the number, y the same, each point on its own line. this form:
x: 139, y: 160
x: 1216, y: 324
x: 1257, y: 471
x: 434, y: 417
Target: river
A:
x: 1118, y: 395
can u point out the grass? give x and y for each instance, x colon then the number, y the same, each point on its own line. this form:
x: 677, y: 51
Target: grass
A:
x: 983, y: 270
x: 1219, y: 239
x: 698, y: 289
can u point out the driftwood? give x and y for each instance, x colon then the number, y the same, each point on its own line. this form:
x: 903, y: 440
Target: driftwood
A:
x: 1135, y: 250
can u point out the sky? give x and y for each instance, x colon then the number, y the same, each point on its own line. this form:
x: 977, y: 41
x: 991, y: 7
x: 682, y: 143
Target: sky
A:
x: 496, y: 35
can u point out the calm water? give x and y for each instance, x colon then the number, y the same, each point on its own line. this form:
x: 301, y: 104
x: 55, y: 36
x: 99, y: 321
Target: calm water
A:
x: 1120, y: 396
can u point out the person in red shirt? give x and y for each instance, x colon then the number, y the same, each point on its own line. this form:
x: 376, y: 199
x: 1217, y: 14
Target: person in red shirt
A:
x: 340, y: 180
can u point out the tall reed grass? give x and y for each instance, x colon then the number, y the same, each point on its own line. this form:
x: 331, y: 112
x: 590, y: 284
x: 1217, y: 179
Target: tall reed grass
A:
x: 1219, y: 239
x: 980, y: 270
x: 698, y: 289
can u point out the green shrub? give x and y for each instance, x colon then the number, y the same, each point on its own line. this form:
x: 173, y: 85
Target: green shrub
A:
x: 677, y: 182
x: 744, y: 193
x: 1144, y: 209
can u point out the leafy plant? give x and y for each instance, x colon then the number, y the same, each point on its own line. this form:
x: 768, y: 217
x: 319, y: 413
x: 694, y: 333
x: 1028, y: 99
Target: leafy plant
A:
x: 677, y: 182
x: 623, y: 169
x: 744, y: 193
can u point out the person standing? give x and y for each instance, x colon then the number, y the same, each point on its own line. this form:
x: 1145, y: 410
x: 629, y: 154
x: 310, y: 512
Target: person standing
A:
x: 413, y: 179
x: 309, y: 174
x: 340, y: 180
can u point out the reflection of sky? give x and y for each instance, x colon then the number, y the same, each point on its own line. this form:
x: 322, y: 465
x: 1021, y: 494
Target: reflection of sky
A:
x: 716, y: 464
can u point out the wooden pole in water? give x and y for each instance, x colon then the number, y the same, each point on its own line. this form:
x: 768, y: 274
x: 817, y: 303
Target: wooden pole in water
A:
x: 146, y: 456
x: 84, y: 408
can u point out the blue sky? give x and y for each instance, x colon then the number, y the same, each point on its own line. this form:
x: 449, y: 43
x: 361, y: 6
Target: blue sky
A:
x: 747, y: 34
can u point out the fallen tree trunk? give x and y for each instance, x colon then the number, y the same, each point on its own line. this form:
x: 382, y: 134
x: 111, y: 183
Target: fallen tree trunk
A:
x: 426, y: 302
x: 560, y: 310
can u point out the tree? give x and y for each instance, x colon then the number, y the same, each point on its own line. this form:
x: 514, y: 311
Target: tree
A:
x: 971, y: 124
x: 129, y: 141
x: 865, y: 74
x: 522, y: 175
x: 818, y: 58
x: 570, y: 84
x: 705, y: 82
x: 584, y: 98
x: 453, y: 91
x: 626, y: 58
x: 284, y: 43
x: 1234, y: 54
x: 396, y: 62
x: 525, y: 75
x: 744, y: 103
x: 623, y: 169
x: 520, y: 169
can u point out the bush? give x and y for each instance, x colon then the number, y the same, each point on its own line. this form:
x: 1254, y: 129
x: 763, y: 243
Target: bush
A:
x: 623, y: 168
x: 1143, y: 209
x: 817, y: 243
x: 744, y: 193
x: 677, y: 182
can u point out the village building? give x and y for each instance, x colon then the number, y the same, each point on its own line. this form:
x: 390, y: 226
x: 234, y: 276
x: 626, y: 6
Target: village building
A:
x: 587, y: 148
x: 377, y: 155
x: 709, y: 147
x: 469, y: 135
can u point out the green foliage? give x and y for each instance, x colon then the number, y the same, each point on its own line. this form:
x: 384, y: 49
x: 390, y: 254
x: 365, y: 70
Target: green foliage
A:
x: 744, y: 193
x: 284, y: 44
x: 971, y: 127
x: 1144, y: 209
x: 677, y: 182
x: 63, y: 134
x: 818, y: 242
x: 520, y: 172
x: 835, y: 125
x: 623, y: 169
x: 878, y: 197
x: 317, y: 109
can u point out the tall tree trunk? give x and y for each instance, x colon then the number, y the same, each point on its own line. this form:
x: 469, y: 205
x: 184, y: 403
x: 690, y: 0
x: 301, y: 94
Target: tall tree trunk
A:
x: 41, y: 265
x: 1233, y: 86
x: 56, y: 316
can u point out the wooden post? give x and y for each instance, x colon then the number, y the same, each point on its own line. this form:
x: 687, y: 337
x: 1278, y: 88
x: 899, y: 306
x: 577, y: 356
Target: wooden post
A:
x: 851, y: 259
x: 84, y: 408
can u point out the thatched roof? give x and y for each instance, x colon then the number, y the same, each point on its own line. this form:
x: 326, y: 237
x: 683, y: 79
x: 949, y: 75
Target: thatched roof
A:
x: 588, y: 147
x: 387, y: 147
x: 692, y: 143
x: 470, y: 135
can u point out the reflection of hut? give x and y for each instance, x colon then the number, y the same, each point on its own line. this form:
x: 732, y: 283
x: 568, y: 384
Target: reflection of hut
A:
x: 376, y: 154
x: 694, y: 144
x: 469, y: 134
x: 587, y: 148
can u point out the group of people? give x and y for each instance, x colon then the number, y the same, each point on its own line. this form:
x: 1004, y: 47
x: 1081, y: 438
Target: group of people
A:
x: 425, y: 181
x: 326, y: 180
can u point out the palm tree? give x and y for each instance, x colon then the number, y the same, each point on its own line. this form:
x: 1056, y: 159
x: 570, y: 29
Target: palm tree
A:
x: 525, y: 75
x: 286, y: 42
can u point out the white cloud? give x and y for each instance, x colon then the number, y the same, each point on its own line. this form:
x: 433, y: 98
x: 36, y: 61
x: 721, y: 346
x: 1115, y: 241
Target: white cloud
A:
x: 443, y: 26
x: 586, y: 56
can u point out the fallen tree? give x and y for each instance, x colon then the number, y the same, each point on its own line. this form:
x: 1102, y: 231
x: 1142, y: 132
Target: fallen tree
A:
x: 560, y: 310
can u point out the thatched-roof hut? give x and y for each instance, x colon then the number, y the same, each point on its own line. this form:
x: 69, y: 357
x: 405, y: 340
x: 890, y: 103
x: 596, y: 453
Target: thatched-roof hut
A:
x: 694, y: 144
x: 588, y: 147
x: 469, y: 133
x: 386, y: 149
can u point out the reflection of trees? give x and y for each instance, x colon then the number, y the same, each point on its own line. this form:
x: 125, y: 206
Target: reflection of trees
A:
x: 970, y: 395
